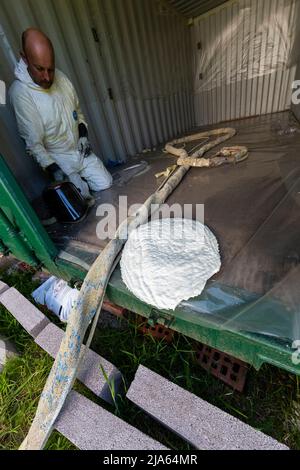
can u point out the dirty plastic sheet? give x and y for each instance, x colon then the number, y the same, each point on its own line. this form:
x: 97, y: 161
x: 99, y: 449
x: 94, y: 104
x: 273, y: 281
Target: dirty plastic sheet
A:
x: 253, y: 208
x: 267, y: 39
x: 126, y: 174
x: 238, y: 310
x: 255, y: 214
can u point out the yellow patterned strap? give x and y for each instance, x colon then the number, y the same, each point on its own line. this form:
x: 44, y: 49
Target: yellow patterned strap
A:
x: 166, y: 173
x: 234, y: 154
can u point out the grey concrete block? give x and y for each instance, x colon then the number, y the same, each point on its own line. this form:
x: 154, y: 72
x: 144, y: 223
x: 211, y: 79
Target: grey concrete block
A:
x: 24, y: 311
x: 3, y: 287
x: 90, y: 427
x: 50, y: 338
x: 7, y: 350
x: 203, y: 425
x: 90, y: 373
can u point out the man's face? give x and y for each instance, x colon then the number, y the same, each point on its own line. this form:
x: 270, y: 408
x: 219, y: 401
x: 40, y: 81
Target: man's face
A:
x: 41, y: 67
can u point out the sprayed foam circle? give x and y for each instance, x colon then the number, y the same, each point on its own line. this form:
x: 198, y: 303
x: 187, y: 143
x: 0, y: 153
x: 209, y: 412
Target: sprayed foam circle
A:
x: 169, y: 260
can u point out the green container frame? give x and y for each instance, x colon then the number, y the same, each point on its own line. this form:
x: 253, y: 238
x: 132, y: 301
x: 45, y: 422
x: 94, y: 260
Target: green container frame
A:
x: 23, y: 235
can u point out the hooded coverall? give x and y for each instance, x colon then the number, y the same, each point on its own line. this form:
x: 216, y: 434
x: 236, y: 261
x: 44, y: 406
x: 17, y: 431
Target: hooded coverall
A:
x: 48, y: 121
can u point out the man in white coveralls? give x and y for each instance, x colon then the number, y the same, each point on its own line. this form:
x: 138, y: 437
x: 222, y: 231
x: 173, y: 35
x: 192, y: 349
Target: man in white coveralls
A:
x: 50, y: 120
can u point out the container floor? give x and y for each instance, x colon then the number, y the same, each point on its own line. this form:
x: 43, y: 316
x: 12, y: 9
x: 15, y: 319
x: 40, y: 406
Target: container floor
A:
x: 251, y: 207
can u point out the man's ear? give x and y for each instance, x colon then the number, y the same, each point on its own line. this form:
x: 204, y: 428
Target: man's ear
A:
x: 24, y: 57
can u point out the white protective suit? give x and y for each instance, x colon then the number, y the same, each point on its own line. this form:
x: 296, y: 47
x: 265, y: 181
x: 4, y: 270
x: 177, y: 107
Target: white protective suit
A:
x: 48, y: 122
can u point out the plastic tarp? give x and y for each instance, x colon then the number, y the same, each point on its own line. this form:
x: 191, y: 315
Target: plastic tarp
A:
x: 255, y: 213
x: 263, y: 34
x: 253, y: 208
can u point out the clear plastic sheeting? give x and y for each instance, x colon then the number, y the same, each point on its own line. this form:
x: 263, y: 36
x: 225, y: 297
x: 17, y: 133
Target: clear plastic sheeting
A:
x: 255, y: 213
x: 253, y: 209
x: 124, y: 175
x: 238, y: 310
x: 287, y: 128
x: 255, y: 39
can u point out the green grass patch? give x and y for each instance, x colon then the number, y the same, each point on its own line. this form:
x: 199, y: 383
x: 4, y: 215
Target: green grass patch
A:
x: 270, y: 401
x: 21, y: 383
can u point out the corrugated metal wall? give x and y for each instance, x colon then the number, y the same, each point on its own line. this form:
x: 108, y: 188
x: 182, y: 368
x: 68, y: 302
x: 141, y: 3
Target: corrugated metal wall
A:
x: 192, y: 8
x: 129, y: 60
x: 243, y: 63
x: 143, y: 75
x: 27, y: 172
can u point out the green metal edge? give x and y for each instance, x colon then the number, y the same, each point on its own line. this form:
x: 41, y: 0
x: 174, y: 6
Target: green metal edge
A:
x: 252, y: 348
x: 249, y: 347
x: 14, y: 242
x: 21, y: 215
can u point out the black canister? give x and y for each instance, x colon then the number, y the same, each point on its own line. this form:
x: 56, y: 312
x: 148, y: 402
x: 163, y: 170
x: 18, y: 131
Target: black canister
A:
x: 65, y: 202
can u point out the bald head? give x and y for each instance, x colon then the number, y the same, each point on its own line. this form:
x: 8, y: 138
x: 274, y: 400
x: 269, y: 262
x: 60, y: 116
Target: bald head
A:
x: 38, y: 54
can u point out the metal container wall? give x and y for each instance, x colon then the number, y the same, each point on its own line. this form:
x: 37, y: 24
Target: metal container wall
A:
x: 192, y: 8
x: 143, y: 75
x: 244, y: 59
x: 129, y: 60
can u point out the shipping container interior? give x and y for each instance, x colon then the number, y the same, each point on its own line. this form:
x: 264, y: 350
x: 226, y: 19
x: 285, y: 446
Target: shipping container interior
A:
x: 149, y: 71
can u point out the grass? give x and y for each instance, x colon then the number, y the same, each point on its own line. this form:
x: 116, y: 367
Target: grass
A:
x: 21, y: 383
x: 270, y: 402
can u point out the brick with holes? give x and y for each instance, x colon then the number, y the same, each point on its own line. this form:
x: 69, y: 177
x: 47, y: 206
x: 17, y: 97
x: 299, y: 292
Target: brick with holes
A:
x: 230, y: 370
x: 157, y: 331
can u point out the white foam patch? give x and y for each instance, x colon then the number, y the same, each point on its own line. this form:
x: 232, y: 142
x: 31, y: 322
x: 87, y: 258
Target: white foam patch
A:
x: 169, y: 260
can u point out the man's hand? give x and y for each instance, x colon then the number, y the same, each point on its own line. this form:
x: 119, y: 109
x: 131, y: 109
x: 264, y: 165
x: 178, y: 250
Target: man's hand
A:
x: 84, y: 147
x: 55, y: 173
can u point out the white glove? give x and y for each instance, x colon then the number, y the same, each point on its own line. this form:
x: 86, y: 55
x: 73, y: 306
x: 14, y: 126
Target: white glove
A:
x: 84, y: 147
